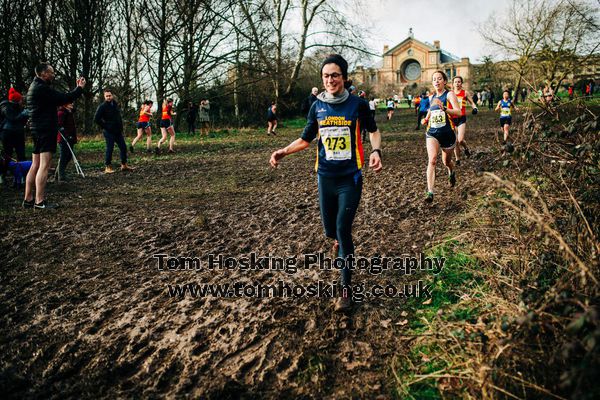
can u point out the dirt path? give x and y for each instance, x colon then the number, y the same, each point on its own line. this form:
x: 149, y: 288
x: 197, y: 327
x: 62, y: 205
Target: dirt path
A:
x: 85, y: 313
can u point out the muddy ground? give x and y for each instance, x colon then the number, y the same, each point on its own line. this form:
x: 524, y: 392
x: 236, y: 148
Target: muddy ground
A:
x: 85, y: 312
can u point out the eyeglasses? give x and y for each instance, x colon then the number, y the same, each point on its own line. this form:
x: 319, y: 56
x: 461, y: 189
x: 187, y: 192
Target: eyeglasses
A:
x: 335, y: 75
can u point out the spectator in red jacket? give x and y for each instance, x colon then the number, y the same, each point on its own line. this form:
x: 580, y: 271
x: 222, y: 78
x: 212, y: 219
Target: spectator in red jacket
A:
x: 12, y: 130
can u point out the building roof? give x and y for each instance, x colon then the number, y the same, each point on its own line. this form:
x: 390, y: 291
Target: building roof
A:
x: 445, y: 56
x: 425, y: 44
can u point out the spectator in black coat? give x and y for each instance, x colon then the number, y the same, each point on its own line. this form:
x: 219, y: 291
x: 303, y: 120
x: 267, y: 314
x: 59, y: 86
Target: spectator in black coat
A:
x: 108, y: 116
x: 42, y: 101
x: 192, y: 115
x: 308, y: 102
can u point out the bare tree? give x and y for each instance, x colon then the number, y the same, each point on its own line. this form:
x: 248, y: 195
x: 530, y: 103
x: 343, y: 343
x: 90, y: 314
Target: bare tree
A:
x: 572, y: 41
x: 280, y: 50
x: 202, y: 47
x: 126, y: 41
x: 519, y: 34
x: 28, y: 32
x: 544, y: 37
x: 82, y: 35
x: 163, y: 26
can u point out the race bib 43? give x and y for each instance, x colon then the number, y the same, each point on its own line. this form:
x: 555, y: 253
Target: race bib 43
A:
x: 438, y: 119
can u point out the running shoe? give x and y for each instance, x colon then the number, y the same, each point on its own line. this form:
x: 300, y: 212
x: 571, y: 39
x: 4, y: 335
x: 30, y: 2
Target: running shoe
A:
x: 157, y: 150
x: 467, y: 152
x: 125, y: 167
x: 457, y: 162
x: 44, y: 205
x: 28, y: 203
x: 109, y: 170
x: 429, y: 197
x: 131, y: 149
x: 452, y: 179
x: 171, y: 151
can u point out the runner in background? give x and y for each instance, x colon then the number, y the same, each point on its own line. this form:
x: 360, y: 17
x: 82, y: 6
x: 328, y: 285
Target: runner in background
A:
x: 440, y: 130
x: 363, y: 96
x: 571, y: 92
x: 505, y: 106
x: 461, y: 122
x: 272, y: 119
x: 143, y: 126
x: 373, y: 106
x: 417, y: 103
x: 166, y: 125
x: 390, y: 108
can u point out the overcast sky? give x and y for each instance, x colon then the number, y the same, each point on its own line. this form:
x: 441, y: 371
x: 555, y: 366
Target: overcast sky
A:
x: 458, y: 34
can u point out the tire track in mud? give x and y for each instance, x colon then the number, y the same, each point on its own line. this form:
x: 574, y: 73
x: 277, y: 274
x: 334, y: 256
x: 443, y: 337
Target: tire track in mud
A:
x: 82, y: 297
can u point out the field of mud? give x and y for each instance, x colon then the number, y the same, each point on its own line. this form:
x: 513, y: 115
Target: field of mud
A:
x: 85, y: 312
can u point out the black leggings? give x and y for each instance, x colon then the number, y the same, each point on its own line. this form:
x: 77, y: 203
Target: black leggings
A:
x: 339, y: 199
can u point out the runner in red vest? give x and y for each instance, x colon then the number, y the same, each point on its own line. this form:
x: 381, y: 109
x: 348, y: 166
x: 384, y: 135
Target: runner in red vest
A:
x: 143, y: 125
x: 461, y: 122
x: 166, y: 125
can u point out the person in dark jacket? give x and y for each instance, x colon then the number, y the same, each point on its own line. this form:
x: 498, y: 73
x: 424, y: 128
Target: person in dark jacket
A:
x: 67, y: 137
x: 12, y: 131
x: 491, y: 100
x: 192, y: 115
x: 308, y: 102
x: 42, y: 101
x: 108, y: 116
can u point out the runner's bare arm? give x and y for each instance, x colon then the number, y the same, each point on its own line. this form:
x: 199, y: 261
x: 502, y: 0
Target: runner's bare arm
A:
x: 470, y: 99
x: 374, y: 158
x: 294, y: 147
x: 455, y: 110
x: 498, y: 106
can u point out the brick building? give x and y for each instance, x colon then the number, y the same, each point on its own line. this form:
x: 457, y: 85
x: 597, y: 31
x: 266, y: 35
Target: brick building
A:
x: 411, y: 64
